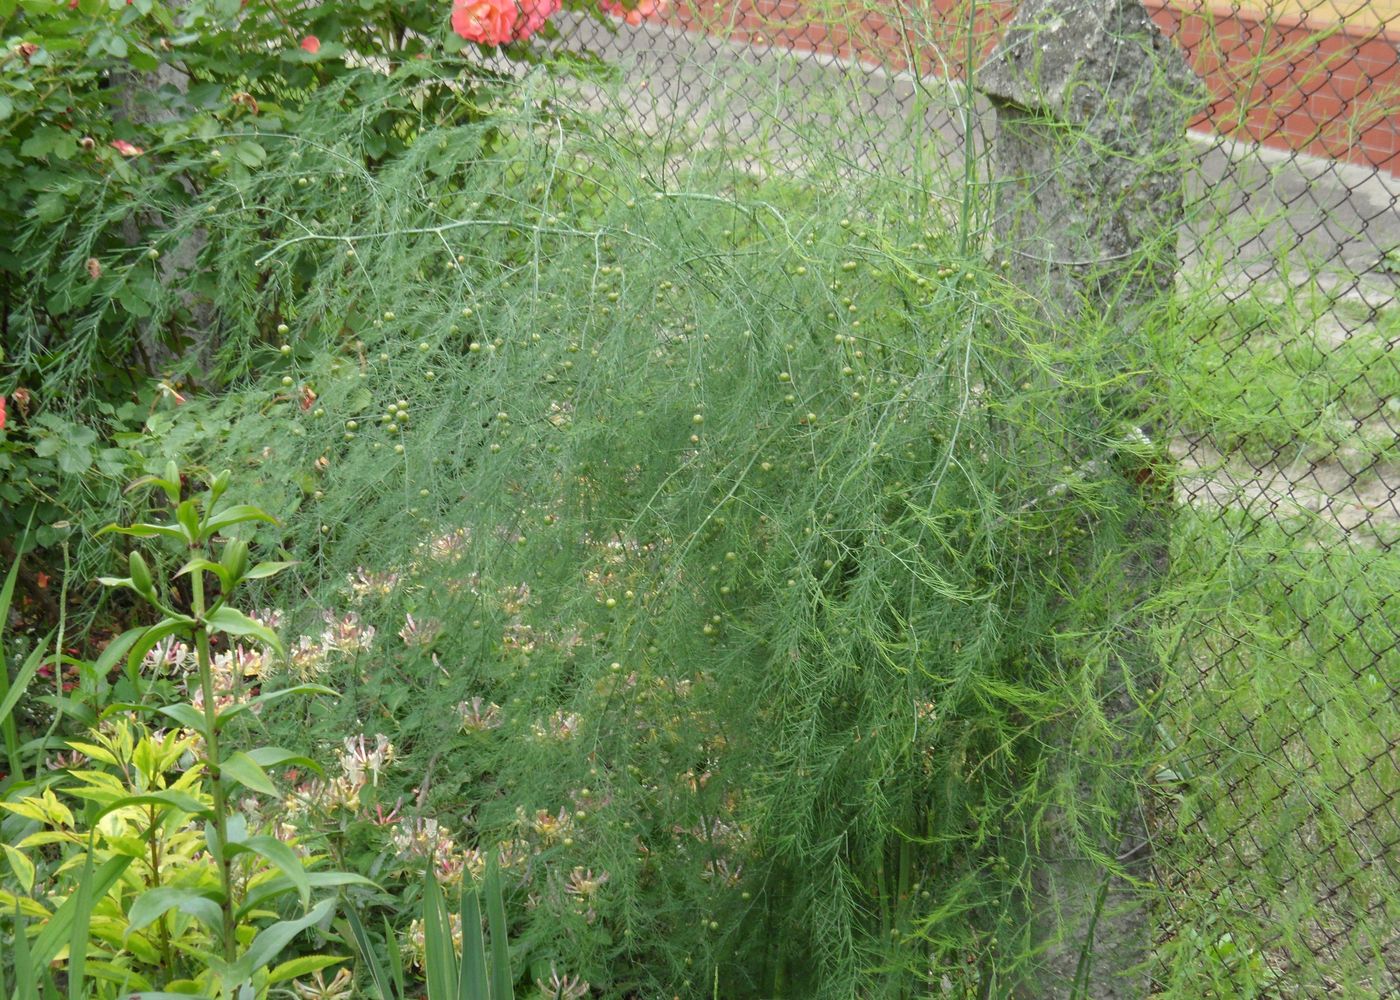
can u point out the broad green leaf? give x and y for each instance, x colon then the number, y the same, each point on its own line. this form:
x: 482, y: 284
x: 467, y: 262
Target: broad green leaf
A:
x: 238, y: 514
x: 231, y: 621
x: 271, y: 889
x: 266, y: 569
x: 28, y: 808
x: 245, y: 771
x: 206, y: 564
x: 27, y: 979
x: 187, y: 516
x: 502, y: 982
x: 148, y: 531
x: 170, y: 487
x: 471, y: 980
x: 280, y: 855
x: 368, y: 955
x: 168, y: 797
x: 250, y: 154
x: 268, y: 698
x: 115, y: 650
x: 155, y: 903
x: 272, y: 941
x: 21, y: 866
x: 186, y: 715
x: 7, y: 697
x: 85, y: 899
x: 21, y: 682
x: 281, y: 756
x: 302, y: 966
x: 10, y: 903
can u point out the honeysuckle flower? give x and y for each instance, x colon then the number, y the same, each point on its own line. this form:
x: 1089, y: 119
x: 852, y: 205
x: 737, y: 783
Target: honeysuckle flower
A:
x: 562, y: 987
x: 360, y: 762
x: 474, y: 863
x: 514, y: 599
x: 268, y: 617
x: 561, y: 726
x: 518, y: 636
x: 448, y: 547
x: 342, y: 987
x: 368, y: 583
x: 422, y: 838
x: 551, y: 827
x: 174, y: 657
x: 478, y: 716
x: 381, y: 818
x: 231, y: 666
x: 308, y: 658
x: 584, y: 884
x: 346, y: 634
x: 416, y: 633
x: 416, y: 944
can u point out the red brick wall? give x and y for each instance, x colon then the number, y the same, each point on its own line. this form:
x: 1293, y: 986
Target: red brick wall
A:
x: 1287, y: 82
x: 1326, y: 89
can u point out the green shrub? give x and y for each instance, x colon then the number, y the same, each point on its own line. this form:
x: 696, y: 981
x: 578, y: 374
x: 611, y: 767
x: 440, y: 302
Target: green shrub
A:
x: 749, y: 576
x: 164, y: 878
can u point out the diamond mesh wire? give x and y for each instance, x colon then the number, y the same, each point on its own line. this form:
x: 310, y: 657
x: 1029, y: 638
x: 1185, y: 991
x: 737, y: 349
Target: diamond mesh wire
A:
x: 1283, y: 795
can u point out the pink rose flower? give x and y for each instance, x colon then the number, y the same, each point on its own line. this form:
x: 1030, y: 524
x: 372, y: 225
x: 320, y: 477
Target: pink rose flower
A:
x: 126, y: 148
x: 311, y: 44
x: 496, y: 22
x: 533, y: 15
x: 639, y: 12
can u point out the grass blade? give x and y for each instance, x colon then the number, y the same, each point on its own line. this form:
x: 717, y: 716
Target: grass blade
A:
x: 82, y: 917
x: 368, y: 957
x: 502, y: 982
x: 440, y: 958
x: 12, y: 693
x: 395, y: 961
x: 7, y: 724
x: 471, y: 984
x: 26, y: 978
x: 56, y: 931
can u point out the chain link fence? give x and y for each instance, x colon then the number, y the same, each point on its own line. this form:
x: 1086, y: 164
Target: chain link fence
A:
x: 1278, y: 810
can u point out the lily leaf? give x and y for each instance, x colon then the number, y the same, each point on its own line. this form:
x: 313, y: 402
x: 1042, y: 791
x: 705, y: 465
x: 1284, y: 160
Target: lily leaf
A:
x: 247, y: 772
x: 237, y: 514
x: 231, y: 621
x: 154, y: 903
x: 280, y: 855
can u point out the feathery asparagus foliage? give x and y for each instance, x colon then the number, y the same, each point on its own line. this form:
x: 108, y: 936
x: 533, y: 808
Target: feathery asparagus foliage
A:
x: 759, y: 564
